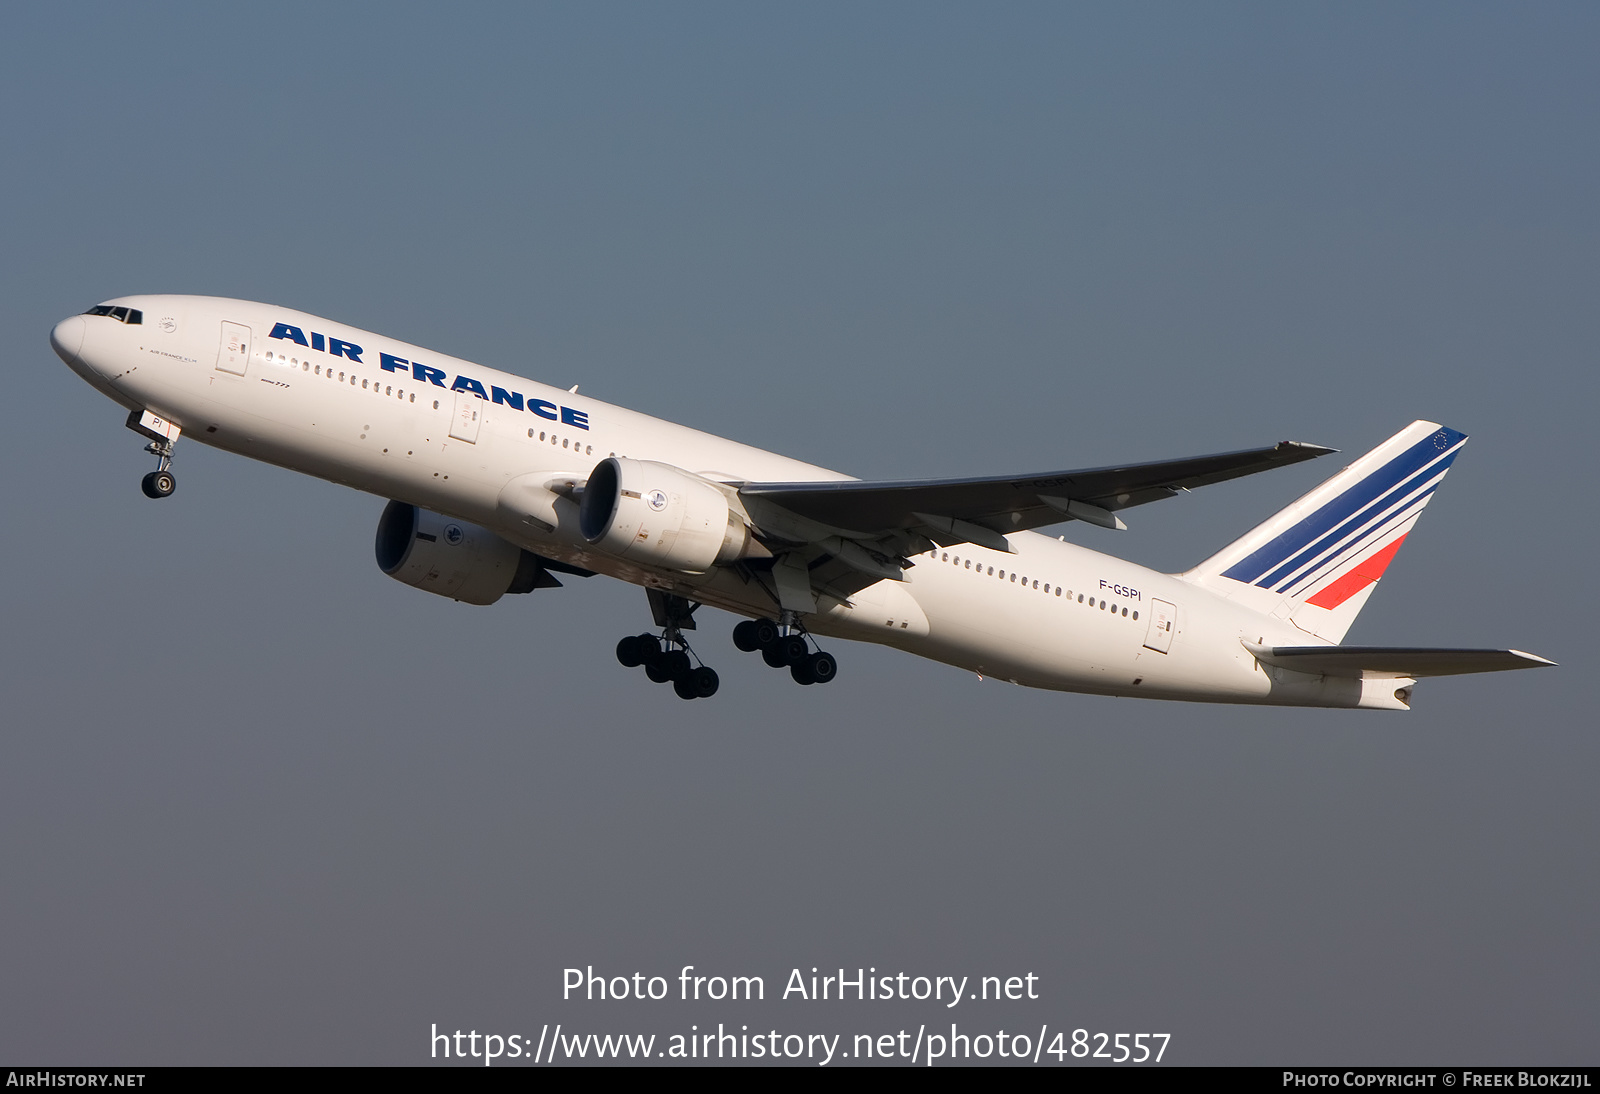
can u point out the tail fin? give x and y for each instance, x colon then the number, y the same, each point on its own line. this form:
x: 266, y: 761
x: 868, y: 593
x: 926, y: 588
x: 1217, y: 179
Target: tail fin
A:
x: 1316, y: 562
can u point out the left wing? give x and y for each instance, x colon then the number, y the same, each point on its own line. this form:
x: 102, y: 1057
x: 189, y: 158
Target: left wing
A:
x: 837, y: 537
x: 1003, y: 504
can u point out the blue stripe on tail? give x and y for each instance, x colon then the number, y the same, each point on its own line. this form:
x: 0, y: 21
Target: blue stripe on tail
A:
x: 1430, y: 473
x: 1291, y: 545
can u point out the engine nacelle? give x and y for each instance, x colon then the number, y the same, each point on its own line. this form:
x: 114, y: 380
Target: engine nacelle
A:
x: 440, y: 554
x: 660, y: 515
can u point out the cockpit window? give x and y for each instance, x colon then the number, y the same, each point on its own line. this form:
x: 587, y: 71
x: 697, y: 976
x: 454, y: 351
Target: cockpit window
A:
x: 131, y: 316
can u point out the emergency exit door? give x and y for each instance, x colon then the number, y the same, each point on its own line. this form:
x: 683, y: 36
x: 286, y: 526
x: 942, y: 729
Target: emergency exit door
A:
x: 233, y: 354
x: 468, y: 416
x: 1162, y: 618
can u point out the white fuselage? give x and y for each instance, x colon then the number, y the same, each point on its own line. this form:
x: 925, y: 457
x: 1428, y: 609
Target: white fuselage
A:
x: 378, y: 415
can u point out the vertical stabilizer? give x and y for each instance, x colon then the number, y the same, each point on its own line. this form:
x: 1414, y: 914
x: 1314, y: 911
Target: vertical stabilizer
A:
x: 1316, y: 562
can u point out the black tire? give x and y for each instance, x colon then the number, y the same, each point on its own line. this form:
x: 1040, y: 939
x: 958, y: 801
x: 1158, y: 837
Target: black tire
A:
x: 822, y: 667
x: 795, y: 650
x: 685, y: 689
x: 744, y: 636
x: 766, y: 632
x: 657, y: 671
x: 649, y: 647
x: 158, y: 484
x: 772, y: 653
x: 704, y: 682
x: 801, y: 671
x: 676, y: 665
x: 628, y: 652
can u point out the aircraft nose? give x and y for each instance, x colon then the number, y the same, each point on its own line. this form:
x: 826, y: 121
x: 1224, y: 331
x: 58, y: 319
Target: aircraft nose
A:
x: 67, y: 339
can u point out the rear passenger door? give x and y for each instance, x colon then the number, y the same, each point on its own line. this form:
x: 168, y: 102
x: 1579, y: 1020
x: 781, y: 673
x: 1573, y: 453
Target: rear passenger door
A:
x: 1162, y: 618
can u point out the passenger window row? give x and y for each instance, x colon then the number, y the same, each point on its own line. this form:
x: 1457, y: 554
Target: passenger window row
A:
x: 1022, y: 579
x: 566, y: 442
x: 385, y: 389
x: 366, y: 385
x: 399, y: 393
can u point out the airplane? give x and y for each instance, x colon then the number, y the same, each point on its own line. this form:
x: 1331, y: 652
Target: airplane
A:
x: 497, y: 483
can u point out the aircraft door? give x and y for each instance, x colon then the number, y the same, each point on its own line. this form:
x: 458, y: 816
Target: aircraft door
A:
x: 468, y: 416
x: 1162, y: 618
x: 233, y: 353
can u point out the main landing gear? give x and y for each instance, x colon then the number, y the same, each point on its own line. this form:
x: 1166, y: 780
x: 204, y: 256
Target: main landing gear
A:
x: 784, y: 645
x: 669, y: 658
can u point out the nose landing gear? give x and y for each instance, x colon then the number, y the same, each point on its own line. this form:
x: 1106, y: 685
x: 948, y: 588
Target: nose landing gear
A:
x: 163, y: 434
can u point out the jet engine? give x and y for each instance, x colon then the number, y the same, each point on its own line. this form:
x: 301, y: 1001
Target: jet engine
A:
x: 440, y: 554
x: 660, y: 515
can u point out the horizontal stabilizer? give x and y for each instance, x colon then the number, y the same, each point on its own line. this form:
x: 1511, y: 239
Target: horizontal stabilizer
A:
x: 1358, y: 661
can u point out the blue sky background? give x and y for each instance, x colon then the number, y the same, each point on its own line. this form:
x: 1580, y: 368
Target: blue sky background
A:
x: 259, y: 803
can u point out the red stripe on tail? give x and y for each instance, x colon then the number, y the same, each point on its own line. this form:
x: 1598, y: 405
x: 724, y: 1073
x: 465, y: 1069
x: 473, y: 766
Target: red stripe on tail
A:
x: 1357, y: 579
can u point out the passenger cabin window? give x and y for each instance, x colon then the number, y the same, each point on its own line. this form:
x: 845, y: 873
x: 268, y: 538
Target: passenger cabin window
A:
x: 131, y: 316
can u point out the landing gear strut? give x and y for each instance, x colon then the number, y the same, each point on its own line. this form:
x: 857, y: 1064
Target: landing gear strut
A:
x: 159, y: 483
x: 669, y: 657
x: 784, y: 645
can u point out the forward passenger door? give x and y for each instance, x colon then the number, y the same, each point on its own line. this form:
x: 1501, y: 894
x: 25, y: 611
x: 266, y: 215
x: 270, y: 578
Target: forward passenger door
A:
x: 468, y: 417
x: 233, y: 352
